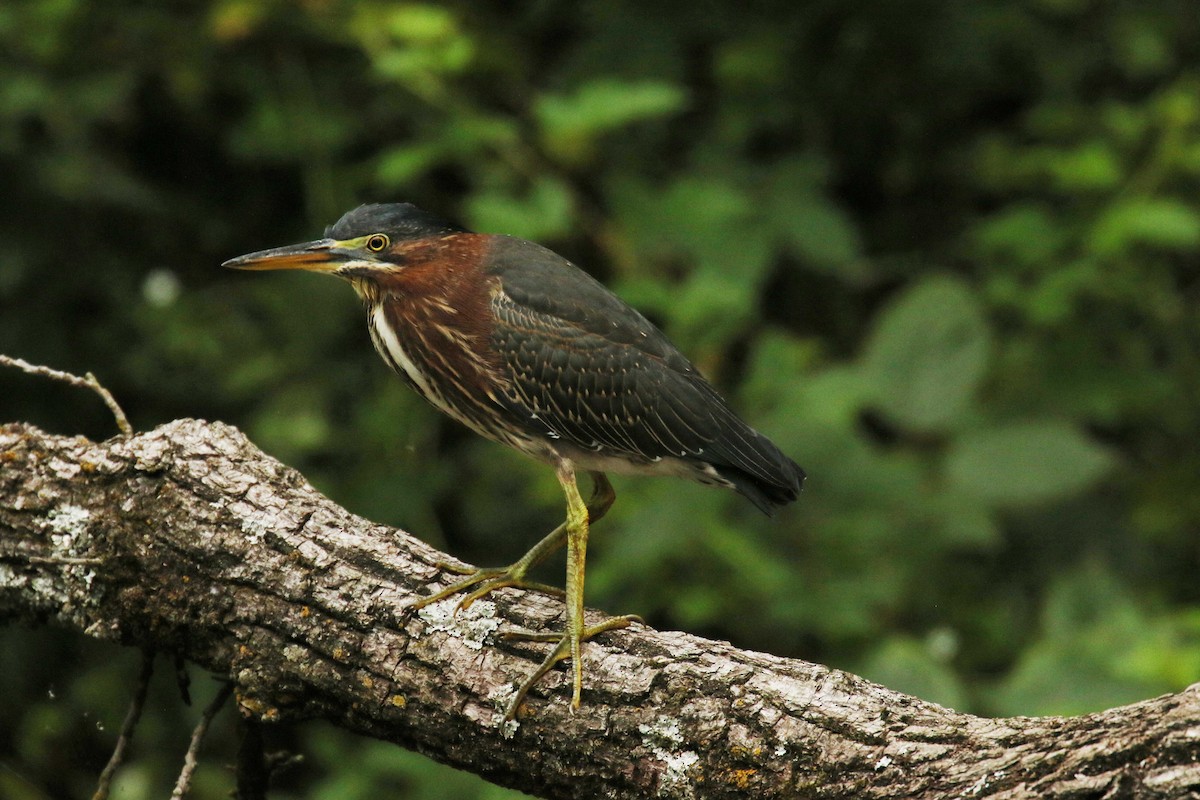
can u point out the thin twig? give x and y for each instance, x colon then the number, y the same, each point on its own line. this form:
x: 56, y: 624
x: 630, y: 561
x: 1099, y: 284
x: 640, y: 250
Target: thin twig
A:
x: 89, y: 381
x: 190, y: 760
x: 131, y: 720
x: 253, y: 771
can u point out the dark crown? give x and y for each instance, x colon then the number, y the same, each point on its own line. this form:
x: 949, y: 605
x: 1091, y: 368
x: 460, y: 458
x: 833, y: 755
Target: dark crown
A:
x: 397, y: 220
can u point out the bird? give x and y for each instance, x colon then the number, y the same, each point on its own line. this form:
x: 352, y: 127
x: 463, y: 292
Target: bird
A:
x: 523, y: 347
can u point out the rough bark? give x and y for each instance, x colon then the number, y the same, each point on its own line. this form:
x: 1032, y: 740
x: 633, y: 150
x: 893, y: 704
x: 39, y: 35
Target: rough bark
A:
x: 188, y: 539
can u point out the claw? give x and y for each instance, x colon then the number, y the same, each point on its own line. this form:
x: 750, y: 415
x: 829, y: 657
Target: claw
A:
x: 573, y: 533
x: 499, y: 577
x: 446, y: 566
x: 500, y: 583
x: 488, y: 581
x: 565, y: 645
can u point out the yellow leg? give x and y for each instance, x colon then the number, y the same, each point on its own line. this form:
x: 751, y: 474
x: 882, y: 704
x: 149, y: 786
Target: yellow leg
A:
x: 569, y: 643
x: 485, y: 581
x: 577, y: 533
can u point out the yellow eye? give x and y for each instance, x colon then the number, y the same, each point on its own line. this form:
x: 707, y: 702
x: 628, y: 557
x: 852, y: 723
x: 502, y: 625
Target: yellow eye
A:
x: 377, y: 242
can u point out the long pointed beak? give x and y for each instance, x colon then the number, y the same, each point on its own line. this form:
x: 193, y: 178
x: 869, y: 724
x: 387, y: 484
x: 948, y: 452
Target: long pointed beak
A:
x: 323, y: 255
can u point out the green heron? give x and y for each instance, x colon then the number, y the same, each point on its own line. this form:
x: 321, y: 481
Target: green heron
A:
x: 526, y: 349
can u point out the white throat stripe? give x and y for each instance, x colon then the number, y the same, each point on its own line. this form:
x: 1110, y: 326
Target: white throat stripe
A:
x: 397, y: 355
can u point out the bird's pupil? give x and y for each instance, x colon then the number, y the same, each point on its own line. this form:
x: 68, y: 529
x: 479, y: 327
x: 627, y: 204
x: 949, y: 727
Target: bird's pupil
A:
x: 377, y: 242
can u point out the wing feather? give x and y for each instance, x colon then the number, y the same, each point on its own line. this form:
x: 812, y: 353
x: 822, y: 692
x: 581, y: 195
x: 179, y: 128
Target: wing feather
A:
x: 586, y: 366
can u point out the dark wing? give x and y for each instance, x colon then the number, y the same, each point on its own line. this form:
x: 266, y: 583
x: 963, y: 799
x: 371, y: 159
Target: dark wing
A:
x: 591, y: 370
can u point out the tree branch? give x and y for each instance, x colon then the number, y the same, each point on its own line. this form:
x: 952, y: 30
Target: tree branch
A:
x: 187, y: 539
x: 191, y: 759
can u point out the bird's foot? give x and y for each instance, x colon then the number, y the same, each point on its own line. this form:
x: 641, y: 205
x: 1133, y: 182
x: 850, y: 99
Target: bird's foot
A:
x: 565, y: 643
x: 481, y: 582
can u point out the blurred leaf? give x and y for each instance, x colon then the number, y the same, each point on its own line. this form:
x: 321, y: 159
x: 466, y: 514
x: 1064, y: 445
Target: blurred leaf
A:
x: 462, y: 140
x: 291, y: 423
x: 570, y: 123
x: 692, y: 216
x: 1054, y: 296
x: 962, y: 520
x: 1143, y: 47
x: 414, y: 43
x: 1099, y: 648
x: 1168, y: 652
x: 908, y: 666
x: 405, y: 774
x: 822, y: 234
x: 1158, y: 222
x: 1025, y: 463
x: 1024, y: 233
x: 544, y: 212
x: 690, y: 223
x: 1090, y: 166
x: 927, y: 354
x: 230, y: 20
x: 709, y: 311
x: 290, y: 130
x: 803, y: 216
x: 399, y: 165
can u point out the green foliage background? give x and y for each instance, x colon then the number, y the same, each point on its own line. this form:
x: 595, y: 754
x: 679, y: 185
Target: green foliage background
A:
x: 943, y: 253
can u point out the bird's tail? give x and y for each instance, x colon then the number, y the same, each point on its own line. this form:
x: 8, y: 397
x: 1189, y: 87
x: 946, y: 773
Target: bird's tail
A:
x: 754, y: 466
x: 767, y: 494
